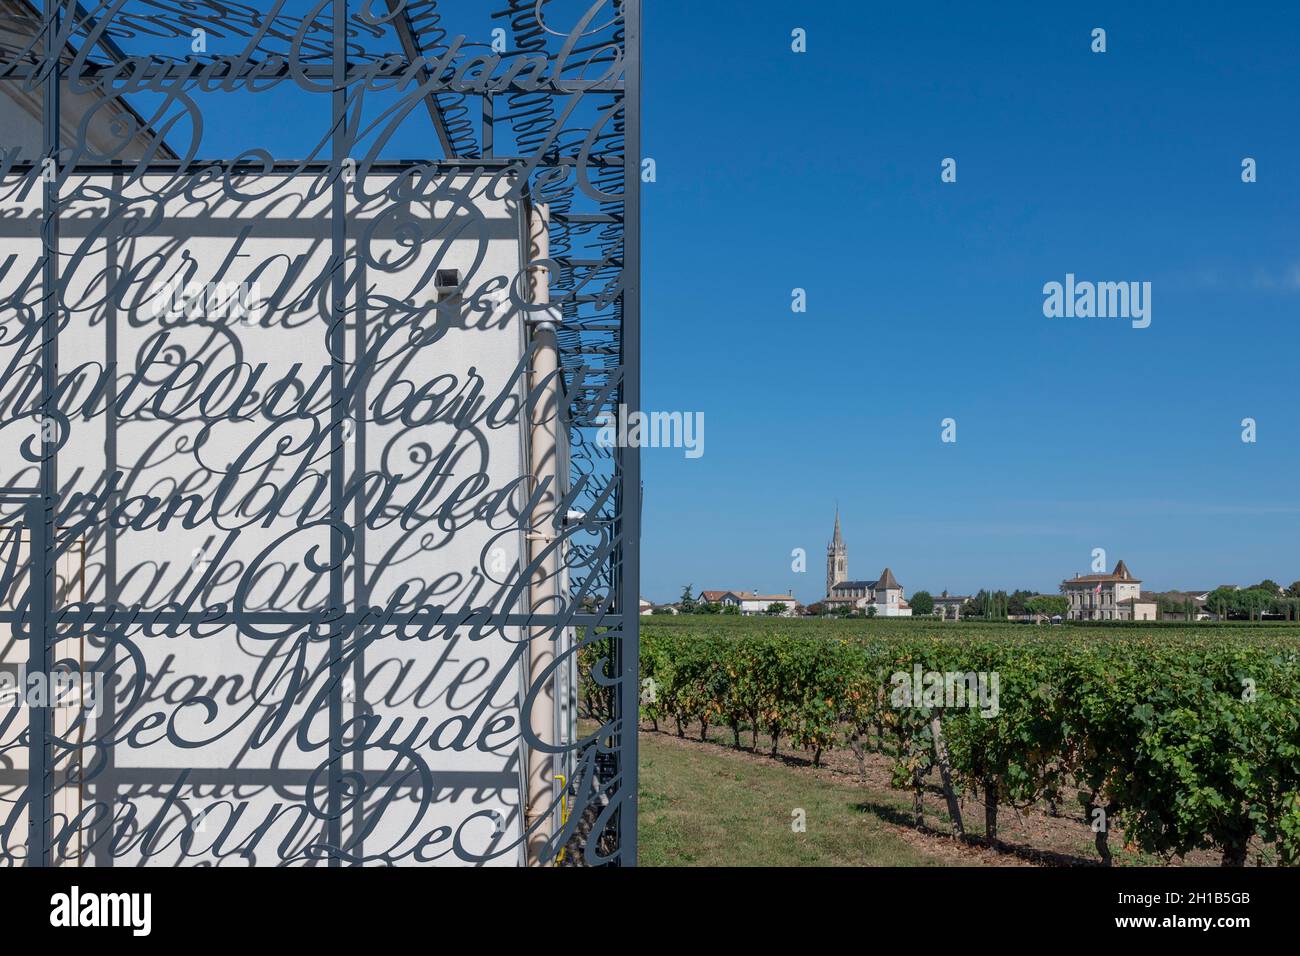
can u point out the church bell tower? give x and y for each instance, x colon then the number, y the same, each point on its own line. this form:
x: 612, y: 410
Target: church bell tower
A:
x: 837, y: 557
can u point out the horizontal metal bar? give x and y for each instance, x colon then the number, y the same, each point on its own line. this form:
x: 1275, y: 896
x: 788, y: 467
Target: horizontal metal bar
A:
x: 254, y: 70
x: 290, y: 166
x: 351, y: 619
x: 275, y: 776
x: 595, y: 217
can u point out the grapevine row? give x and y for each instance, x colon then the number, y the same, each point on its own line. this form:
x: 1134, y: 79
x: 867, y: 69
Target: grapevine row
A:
x: 1189, y: 742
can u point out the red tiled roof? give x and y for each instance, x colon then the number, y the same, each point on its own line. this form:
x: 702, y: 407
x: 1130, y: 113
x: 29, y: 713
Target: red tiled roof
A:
x: 1121, y: 573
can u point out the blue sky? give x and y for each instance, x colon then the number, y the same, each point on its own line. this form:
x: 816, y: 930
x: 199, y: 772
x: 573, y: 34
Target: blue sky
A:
x: 821, y: 170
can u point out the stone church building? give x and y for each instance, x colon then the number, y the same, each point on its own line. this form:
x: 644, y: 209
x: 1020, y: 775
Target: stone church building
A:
x: 884, y: 594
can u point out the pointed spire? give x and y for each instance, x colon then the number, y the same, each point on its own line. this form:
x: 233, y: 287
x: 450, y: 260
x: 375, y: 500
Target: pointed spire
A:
x: 838, y: 540
x: 887, y: 580
x: 1121, y: 570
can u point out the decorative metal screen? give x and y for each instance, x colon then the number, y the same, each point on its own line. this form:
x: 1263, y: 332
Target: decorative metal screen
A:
x: 310, y: 314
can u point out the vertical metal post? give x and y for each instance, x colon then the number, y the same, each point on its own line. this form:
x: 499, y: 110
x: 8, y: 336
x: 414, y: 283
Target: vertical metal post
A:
x: 40, y: 512
x: 360, y: 590
x: 630, y: 458
x: 40, y: 792
x: 338, y: 291
x: 543, y: 424
x: 105, y: 789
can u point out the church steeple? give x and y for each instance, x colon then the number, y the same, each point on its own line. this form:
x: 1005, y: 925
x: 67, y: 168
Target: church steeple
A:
x: 837, y: 557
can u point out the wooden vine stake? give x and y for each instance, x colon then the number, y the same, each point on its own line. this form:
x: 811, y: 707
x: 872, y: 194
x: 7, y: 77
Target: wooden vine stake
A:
x: 945, y: 771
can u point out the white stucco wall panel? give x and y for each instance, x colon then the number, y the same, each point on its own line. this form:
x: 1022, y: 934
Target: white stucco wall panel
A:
x: 426, y: 546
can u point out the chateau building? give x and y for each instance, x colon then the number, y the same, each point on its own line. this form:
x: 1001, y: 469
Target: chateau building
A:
x: 884, y: 594
x: 1108, y: 597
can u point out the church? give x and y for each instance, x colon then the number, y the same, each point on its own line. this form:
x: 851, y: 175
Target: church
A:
x: 885, y: 594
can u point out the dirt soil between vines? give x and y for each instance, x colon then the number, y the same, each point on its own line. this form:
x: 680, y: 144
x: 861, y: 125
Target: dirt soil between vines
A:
x: 1027, y: 836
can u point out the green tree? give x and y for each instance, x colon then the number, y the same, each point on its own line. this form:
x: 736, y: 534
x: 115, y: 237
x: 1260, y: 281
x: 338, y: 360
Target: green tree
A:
x: 1255, y: 601
x: 995, y: 605
x: 1223, y: 602
x: 1048, y: 605
x: 687, y: 603
x: 1018, y: 602
x: 776, y: 608
x: 922, y: 603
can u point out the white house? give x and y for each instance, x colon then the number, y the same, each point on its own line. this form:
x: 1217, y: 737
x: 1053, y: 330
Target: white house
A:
x: 949, y: 605
x: 753, y: 603
x: 725, y: 598
x: 749, y: 602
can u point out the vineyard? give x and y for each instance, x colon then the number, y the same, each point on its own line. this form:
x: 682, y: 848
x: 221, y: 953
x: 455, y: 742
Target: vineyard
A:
x: 1188, y: 738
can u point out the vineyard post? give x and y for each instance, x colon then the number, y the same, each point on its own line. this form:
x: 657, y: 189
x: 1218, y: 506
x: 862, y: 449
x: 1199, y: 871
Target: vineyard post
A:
x: 918, y: 800
x: 1102, y: 844
x: 858, y: 745
x: 945, y: 772
x: 990, y: 809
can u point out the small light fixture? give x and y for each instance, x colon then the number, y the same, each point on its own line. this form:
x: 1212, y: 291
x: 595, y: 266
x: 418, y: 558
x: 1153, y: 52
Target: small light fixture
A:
x: 446, y: 284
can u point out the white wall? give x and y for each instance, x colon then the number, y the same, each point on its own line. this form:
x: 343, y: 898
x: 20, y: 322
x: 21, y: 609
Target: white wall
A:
x: 407, y: 688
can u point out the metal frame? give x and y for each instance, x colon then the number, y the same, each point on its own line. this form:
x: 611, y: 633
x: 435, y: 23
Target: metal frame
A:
x: 599, y: 337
